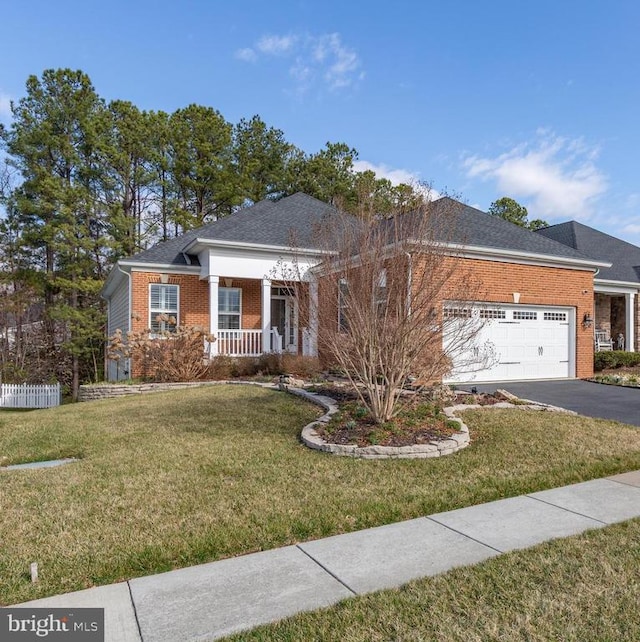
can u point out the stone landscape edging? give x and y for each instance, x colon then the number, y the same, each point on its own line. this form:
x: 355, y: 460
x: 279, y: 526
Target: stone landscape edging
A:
x: 452, y: 444
x: 94, y: 392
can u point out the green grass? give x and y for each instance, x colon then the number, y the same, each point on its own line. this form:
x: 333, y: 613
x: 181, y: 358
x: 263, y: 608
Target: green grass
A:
x: 174, y: 479
x: 580, y: 589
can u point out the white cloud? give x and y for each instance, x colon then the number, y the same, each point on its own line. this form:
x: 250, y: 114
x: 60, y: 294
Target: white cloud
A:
x: 343, y: 63
x: 246, y: 55
x: 5, y: 107
x: 558, y: 176
x: 322, y: 59
x: 397, y: 176
x: 632, y: 228
x: 276, y: 45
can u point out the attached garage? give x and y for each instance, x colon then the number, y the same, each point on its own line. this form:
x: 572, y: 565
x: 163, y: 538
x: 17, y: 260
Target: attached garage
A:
x: 512, y: 342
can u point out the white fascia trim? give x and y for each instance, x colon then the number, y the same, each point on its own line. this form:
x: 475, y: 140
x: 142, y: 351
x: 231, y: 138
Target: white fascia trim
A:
x: 161, y: 267
x: 516, y: 256
x: 212, y: 243
x: 604, y: 285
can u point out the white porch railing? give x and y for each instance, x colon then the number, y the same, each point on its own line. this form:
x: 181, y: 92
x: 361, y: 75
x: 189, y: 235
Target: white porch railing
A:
x: 29, y: 396
x: 243, y: 343
x: 239, y: 343
x: 276, y: 341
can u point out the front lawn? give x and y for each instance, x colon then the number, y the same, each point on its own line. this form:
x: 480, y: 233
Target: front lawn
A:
x: 580, y: 589
x: 174, y: 479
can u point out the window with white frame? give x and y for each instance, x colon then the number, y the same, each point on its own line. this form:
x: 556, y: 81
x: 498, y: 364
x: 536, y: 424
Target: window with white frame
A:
x: 451, y: 312
x: 163, y: 307
x: 492, y: 314
x: 229, y: 308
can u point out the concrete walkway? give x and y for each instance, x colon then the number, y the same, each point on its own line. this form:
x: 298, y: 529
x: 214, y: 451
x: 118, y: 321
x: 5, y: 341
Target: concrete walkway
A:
x: 213, y: 600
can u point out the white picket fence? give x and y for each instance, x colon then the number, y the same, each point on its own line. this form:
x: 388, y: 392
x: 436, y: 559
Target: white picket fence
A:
x: 25, y: 395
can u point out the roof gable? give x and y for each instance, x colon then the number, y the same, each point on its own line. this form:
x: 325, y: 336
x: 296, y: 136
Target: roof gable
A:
x: 291, y: 220
x: 624, y: 257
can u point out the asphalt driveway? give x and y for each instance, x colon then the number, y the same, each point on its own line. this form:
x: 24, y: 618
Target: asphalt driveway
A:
x: 585, y: 397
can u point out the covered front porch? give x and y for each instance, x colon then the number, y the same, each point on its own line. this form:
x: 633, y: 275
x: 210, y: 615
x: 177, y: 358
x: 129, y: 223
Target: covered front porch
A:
x: 261, y: 298
x: 251, y: 317
x: 616, y: 313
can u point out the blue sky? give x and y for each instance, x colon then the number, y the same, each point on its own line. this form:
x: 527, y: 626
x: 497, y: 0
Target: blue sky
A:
x: 534, y: 100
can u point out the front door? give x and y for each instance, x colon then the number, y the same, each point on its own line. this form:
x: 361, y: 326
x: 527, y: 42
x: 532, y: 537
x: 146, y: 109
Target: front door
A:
x: 284, y: 319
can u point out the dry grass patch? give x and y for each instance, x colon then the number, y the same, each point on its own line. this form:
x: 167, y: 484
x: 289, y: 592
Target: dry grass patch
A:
x: 174, y: 479
x: 580, y: 589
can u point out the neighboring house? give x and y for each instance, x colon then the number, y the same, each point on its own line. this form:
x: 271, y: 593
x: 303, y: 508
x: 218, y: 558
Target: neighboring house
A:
x: 227, y: 277
x: 616, y: 288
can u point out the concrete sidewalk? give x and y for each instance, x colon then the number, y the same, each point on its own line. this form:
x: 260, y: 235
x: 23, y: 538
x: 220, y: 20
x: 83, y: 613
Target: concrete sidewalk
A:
x: 213, y: 600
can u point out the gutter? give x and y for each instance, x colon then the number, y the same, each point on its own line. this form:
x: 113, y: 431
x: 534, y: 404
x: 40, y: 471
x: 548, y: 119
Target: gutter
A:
x: 249, y: 246
x: 470, y: 251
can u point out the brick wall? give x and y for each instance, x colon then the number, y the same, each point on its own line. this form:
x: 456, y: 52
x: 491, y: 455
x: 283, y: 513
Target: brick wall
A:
x: 541, y: 286
x: 497, y: 282
x: 193, y: 299
x: 603, y: 312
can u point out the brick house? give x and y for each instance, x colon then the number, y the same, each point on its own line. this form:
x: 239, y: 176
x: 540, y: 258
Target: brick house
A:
x: 616, y: 287
x: 224, y: 277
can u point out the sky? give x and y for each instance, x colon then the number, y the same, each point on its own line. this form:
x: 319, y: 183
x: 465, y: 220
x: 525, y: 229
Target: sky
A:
x: 538, y: 101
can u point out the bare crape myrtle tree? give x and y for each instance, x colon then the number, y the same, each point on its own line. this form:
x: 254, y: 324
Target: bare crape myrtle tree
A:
x: 394, y: 303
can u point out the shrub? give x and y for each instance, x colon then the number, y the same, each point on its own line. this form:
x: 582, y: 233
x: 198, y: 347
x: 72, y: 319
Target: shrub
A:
x: 271, y: 364
x: 615, y: 359
x: 220, y: 368
x: 170, y: 356
x: 305, y: 367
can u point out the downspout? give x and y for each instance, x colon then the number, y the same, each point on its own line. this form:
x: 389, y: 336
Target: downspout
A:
x: 128, y: 275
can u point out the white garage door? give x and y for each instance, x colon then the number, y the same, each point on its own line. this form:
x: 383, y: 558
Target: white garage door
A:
x: 513, y: 342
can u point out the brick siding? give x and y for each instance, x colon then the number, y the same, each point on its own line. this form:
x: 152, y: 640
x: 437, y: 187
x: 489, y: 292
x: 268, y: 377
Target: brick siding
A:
x: 537, y: 286
x: 541, y: 286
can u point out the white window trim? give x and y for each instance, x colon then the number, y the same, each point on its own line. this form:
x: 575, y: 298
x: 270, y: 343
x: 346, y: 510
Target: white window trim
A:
x: 229, y: 314
x: 157, y: 312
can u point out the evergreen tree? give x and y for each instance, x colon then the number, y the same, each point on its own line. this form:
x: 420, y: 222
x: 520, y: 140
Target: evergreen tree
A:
x: 205, y: 178
x: 262, y: 157
x: 54, y: 141
x: 510, y: 210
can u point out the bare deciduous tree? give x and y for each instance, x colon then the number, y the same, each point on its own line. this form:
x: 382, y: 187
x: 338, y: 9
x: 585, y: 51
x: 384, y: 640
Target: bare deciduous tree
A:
x: 394, y: 302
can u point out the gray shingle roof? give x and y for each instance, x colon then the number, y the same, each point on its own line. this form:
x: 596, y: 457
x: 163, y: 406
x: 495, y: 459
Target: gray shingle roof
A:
x: 625, y: 257
x: 474, y: 227
x: 299, y: 216
x: 289, y: 221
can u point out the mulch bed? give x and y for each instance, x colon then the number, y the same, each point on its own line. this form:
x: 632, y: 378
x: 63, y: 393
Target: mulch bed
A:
x: 422, y: 422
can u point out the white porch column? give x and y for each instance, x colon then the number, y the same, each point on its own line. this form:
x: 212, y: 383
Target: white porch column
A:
x: 313, y: 318
x: 629, y: 311
x: 266, y: 315
x: 213, y: 313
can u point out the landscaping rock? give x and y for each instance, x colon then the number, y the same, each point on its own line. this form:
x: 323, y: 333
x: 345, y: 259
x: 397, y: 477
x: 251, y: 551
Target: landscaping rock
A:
x: 289, y: 380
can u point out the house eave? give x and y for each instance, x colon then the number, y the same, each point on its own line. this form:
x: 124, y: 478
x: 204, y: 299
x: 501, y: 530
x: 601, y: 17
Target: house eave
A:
x: 198, y: 244
x: 527, y: 258
x: 165, y: 267
x: 602, y: 285
x: 112, y: 281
